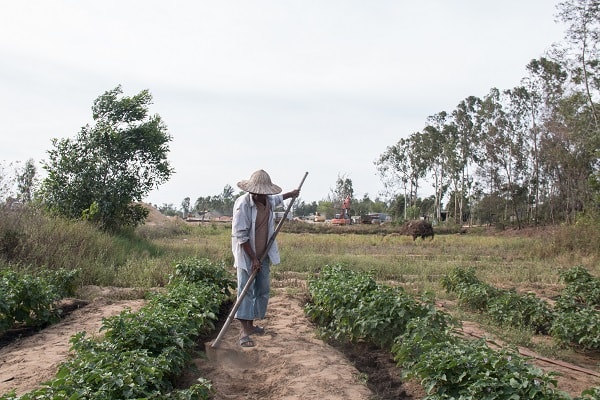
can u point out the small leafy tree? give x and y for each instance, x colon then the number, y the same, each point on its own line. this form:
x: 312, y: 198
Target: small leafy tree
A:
x: 110, y: 165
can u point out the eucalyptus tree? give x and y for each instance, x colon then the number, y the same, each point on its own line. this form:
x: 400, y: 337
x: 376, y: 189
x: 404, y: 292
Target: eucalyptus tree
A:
x: 202, y: 204
x: 6, y: 181
x: 436, y: 146
x: 583, y: 33
x: 539, y: 95
x: 343, y: 188
x: 467, y: 151
x: 228, y: 198
x: 221, y: 203
x: 26, y: 181
x: 569, y: 156
x: 517, y: 161
x: 303, y: 208
x: 400, y: 167
x: 503, y: 143
x: 185, y: 206
x: 394, y: 169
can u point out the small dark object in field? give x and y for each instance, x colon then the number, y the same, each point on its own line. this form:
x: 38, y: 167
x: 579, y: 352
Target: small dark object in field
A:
x: 417, y: 228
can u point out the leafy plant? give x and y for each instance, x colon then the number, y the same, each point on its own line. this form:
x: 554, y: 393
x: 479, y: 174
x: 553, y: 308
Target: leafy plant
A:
x: 465, y: 369
x: 141, y: 352
x: 523, y: 311
x: 578, y: 321
x: 351, y: 306
x: 579, y: 327
x: 472, y: 293
x: 504, y: 307
x: 196, y: 270
x: 33, y: 300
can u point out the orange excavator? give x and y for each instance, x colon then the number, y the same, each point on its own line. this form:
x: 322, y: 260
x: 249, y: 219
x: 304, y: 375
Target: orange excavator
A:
x: 344, y: 217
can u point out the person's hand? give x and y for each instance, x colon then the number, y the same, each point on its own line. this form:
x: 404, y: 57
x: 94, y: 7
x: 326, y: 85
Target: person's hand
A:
x: 256, y: 265
x: 295, y: 193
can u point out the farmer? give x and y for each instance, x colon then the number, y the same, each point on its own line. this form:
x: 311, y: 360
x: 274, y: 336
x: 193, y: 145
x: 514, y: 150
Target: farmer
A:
x: 251, y: 229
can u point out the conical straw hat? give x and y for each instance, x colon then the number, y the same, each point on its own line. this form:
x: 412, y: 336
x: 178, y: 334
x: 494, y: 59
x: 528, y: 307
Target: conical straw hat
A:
x: 259, y: 183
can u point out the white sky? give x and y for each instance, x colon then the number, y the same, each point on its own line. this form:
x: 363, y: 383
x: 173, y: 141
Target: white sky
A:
x: 284, y: 85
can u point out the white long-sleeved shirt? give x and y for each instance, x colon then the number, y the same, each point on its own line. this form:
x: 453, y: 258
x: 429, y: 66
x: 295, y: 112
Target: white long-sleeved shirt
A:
x: 242, y: 230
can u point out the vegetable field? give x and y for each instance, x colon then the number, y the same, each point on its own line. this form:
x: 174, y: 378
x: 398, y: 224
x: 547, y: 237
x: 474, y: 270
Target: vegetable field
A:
x: 365, y: 316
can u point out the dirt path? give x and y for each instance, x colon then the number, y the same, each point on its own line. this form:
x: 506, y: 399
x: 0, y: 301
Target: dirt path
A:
x: 26, y: 362
x: 288, y: 362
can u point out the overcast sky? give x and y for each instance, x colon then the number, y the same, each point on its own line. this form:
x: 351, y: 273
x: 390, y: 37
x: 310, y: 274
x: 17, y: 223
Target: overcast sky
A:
x: 281, y: 85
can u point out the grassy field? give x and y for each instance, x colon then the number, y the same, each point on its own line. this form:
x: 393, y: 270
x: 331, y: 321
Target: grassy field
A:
x: 145, y: 257
x: 517, y: 258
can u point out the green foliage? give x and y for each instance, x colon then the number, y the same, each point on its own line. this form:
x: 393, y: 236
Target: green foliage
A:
x: 504, y: 307
x: 466, y: 369
x: 351, y: 306
x: 582, y: 290
x: 30, y: 239
x: 33, y: 300
x: 459, y: 277
x: 420, y: 335
x: 221, y: 203
x: 578, y: 320
x: 522, y: 311
x: 98, y: 175
x: 383, y: 315
x: 26, y: 181
x: 579, y: 327
x: 590, y: 394
x: 413, y: 212
x: 574, y: 320
x: 334, y: 293
x: 143, y: 351
x: 472, y: 293
x: 194, y: 270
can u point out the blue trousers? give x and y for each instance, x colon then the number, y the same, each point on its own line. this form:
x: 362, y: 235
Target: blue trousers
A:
x: 254, y: 304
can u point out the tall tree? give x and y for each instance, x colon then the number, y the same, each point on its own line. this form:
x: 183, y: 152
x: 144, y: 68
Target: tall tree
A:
x: 583, y: 32
x: 26, y: 180
x: 541, y: 90
x: 436, y: 150
x: 6, y: 181
x: 400, y: 167
x: 185, y: 204
x: 343, y: 188
x: 109, y: 165
x: 227, y: 197
x: 468, y: 129
x: 503, y: 143
x: 569, y: 152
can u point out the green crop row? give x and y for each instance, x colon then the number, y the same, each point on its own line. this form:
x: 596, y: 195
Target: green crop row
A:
x: 351, y: 306
x: 142, y: 352
x: 33, y: 300
x: 504, y: 307
x: 574, y: 320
